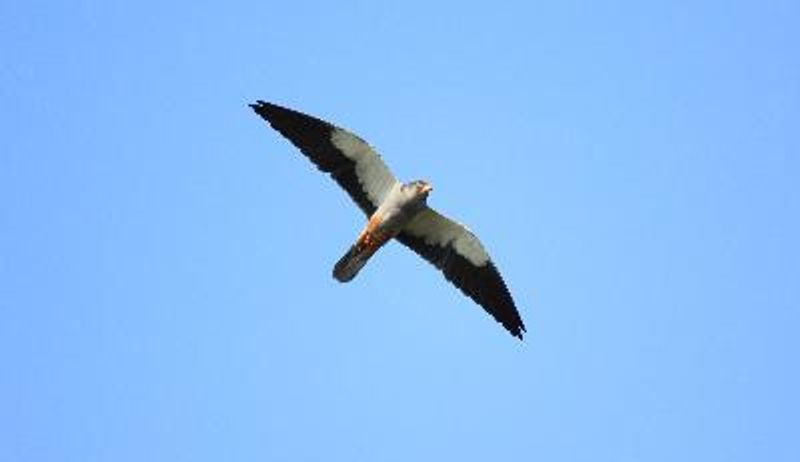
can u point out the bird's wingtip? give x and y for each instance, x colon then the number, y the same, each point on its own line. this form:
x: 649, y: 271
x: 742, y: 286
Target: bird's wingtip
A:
x: 518, y: 331
x: 258, y: 104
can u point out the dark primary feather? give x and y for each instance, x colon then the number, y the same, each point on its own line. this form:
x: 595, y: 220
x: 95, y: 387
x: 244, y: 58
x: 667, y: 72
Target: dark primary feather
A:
x: 313, y: 137
x: 481, y: 283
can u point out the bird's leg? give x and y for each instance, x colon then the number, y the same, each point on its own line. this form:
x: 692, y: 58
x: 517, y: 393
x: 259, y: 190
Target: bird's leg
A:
x: 370, y: 231
x: 372, y: 237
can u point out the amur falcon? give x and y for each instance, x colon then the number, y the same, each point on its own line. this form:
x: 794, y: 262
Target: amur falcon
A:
x: 395, y: 210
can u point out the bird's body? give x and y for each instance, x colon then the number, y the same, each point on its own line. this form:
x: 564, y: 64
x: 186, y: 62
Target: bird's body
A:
x: 395, y: 211
x: 402, y: 203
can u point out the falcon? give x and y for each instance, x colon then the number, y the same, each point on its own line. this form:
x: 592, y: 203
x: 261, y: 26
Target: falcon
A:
x: 395, y: 210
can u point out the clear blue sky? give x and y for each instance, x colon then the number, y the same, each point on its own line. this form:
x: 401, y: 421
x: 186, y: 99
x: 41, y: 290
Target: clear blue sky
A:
x: 165, y: 288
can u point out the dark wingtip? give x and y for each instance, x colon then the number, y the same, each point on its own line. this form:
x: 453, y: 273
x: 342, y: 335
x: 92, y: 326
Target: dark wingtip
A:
x: 260, y: 106
x: 515, y: 327
x: 517, y: 332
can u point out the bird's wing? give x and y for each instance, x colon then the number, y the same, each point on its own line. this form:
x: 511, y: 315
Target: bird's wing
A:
x: 350, y: 161
x: 452, y: 248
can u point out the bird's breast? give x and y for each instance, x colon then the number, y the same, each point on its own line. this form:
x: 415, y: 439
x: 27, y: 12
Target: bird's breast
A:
x: 395, y: 217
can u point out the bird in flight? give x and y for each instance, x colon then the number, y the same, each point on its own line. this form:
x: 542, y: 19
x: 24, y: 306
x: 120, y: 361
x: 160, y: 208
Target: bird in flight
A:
x: 395, y: 210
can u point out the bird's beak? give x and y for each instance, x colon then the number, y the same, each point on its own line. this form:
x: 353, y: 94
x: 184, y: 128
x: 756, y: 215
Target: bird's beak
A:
x: 427, y: 188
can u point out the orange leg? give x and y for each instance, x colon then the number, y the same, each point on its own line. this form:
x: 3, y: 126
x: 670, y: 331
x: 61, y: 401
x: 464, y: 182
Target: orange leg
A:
x: 371, y: 239
x: 369, y: 230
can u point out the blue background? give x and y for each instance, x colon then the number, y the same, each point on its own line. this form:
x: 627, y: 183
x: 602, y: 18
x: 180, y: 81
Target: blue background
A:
x: 165, y: 288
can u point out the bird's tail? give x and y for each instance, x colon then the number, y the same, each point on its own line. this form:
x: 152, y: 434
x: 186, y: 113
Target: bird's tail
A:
x: 351, y: 263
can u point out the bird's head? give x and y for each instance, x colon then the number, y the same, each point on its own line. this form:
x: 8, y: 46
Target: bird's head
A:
x: 419, y: 188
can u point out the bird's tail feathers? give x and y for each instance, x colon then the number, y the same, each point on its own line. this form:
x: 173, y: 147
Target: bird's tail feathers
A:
x: 351, y: 263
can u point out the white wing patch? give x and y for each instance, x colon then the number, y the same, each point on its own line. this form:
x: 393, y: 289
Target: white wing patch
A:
x: 374, y: 176
x: 436, y: 229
